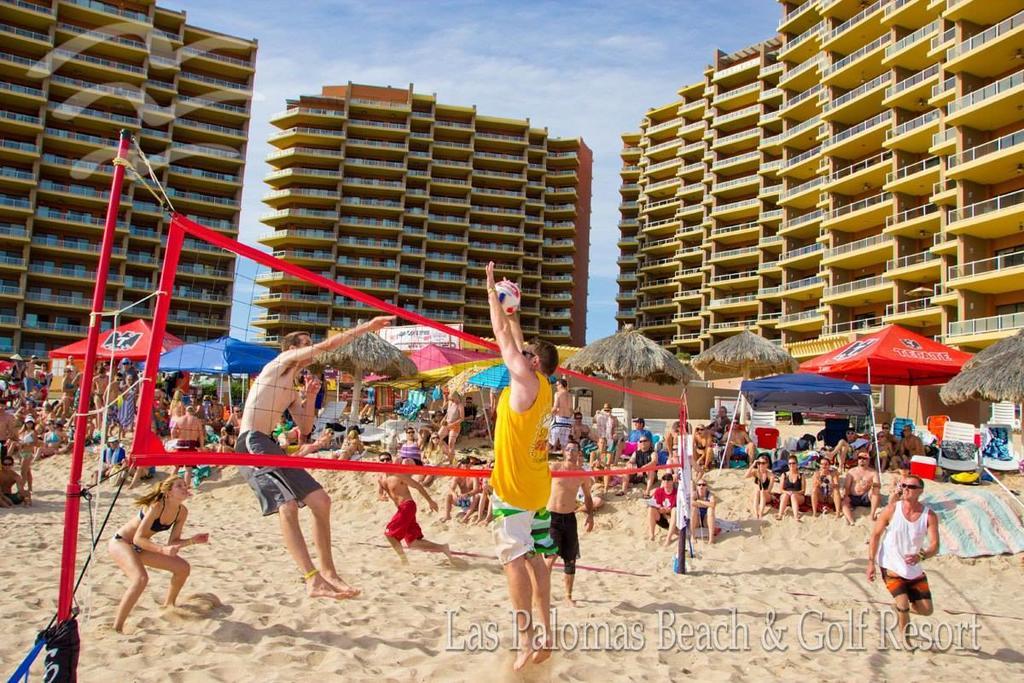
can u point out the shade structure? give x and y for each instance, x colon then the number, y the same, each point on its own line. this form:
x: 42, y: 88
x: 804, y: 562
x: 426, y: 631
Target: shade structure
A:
x: 808, y: 393
x: 225, y: 355
x: 893, y: 355
x: 744, y: 355
x: 995, y: 374
x: 361, y: 355
x: 125, y: 342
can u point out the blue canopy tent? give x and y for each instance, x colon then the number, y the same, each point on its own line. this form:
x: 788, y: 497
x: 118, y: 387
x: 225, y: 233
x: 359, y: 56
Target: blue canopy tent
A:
x: 808, y: 393
x: 495, y: 377
x: 223, y: 356
x: 805, y: 392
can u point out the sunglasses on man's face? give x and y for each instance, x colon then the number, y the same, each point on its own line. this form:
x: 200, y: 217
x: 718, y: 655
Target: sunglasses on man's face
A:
x: 385, y: 459
x: 912, y: 487
x: 702, y: 485
x: 8, y: 463
x: 529, y: 354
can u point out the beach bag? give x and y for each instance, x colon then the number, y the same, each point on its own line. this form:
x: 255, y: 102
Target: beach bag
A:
x: 805, y: 443
x: 968, y: 478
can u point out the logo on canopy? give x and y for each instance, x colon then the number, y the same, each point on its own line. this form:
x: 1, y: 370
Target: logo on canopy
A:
x: 912, y: 344
x: 122, y: 341
x: 855, y: 348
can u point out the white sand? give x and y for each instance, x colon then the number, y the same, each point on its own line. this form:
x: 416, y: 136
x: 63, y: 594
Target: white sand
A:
x: 244, y: 616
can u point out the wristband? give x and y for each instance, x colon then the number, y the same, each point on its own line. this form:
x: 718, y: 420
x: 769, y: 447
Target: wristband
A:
x: 492, y: 290
x: 921, y: 555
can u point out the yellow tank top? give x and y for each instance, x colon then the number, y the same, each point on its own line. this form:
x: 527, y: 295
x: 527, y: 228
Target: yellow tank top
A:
x: 521, y: 476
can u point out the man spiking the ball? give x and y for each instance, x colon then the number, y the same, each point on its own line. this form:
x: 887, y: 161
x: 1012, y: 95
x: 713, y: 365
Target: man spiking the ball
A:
x: 521, y: 479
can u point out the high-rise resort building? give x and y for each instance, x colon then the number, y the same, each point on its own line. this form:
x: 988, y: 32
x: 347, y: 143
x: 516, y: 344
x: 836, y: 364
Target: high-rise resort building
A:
x: 862, y: 168
x: 72, y: 74
x: 391, y: 192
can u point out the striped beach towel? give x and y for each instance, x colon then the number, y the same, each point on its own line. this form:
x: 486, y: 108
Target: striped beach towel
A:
x: 976, y: 523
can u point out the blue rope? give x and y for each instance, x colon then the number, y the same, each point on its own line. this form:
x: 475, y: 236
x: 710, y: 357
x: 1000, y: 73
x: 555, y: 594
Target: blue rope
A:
x: 22, y: 673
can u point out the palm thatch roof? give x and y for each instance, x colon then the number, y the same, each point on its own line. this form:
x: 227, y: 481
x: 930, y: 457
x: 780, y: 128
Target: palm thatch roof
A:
x: 366, y: 353
x: 995, y: 374
x: 629, y: 355
x: 744, y: 355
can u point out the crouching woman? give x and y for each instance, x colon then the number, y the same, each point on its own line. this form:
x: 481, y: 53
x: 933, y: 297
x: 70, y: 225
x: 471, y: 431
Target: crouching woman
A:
x: 160, y: 509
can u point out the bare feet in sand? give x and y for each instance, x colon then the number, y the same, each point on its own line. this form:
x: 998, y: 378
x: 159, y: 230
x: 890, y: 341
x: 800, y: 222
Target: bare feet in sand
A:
x: 317, y: 586
x: 542, y: 654
x: 522, y: 657
x: 569, y: 602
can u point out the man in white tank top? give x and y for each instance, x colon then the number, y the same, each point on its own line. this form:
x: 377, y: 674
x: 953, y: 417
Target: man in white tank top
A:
x: 911, y: 535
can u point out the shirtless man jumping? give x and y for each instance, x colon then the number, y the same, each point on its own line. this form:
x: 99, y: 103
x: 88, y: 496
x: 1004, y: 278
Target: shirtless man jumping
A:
x: 562, y: 505
x: 403, y: 525
x: 283, y: 490
x: 521, y: 479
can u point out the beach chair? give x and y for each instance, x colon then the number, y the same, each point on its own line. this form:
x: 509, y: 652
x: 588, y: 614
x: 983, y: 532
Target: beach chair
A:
x: 766, y: 438
x: 958, y: 451
x: 937, y: 425
x: 762, y: 418
x: 835, y: 430
x: 997, y: 453
x: 1005, y: 413
x: 898, y: 423
x: 414, y: 403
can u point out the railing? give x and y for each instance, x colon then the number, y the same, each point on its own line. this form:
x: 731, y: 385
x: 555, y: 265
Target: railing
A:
x: 740, y: 159
x: 729, y: 253
x: 912, y: 38
x: 734, y: 276
x: 750, y: 87
x: 995, y: 323
x: 802, y: 315
x: 806, y: 66
x: 812, y: 281
x: 997, y: 145
x: 910, y: 214
x: 911, y: 169
x: 872, y: 241
x: 735, y: 69
x: 910, y: 82
x: 987, y: 206
x: 801, y: 251
x: 857, y: 285
x: 797, y: 130
x: 738, y: 114
x: 802, y: 157
x: 876, y: 120
x: 991, y: 90
x: 726, y: 229
x: 910, y: 260
x: 853, y: 325
x: 800, y: 220
x: 856, y: 18
x: 854, y: 56
x: 1003, y: 27
x: 990, y: 265
x: 812, y: 32
x: 733, y: 300
x: 802, y: 187
x: 914, y: 123
x: 879, y: 198
x: 851, y: 95
x: 910, y: 306
x: 735, y: 206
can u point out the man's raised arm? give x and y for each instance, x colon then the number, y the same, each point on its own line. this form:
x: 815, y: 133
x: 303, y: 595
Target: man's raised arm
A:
x: 502, y: 324
x: 308, y: 353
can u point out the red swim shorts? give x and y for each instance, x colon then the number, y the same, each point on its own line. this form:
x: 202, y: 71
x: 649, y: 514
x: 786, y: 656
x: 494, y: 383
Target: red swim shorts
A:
x: 914, y: 589
x: 403, y: 526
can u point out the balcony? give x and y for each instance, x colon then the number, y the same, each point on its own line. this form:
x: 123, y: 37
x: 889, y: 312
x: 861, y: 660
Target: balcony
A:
x: 858, y: 215
x: 912, y: 222
x: 804, y: 289
x: 984, y: 331
x: 914, y: 135
x: 850, y: 179
x: 991, y: 218
x: 924, y: 266
x: 735, y: 256
x: 803, y: 225
x: 916, y: 178
x: 843, y: 38
x: 914, y: 312
x: 811, y: 319
x: 912, y: 50
x: 858, y: 103
x: 802, y: 257
x: 859, y: 253
x: 865, y: 290
x: 989, y: 108
x: 986, y: 54
x: 851, y: 142
x: 908, y: 91
x: 989, y: 276
x: 848, y: 71
x: 858, y: 325
x: 988, y: 163
x: 734, y: 210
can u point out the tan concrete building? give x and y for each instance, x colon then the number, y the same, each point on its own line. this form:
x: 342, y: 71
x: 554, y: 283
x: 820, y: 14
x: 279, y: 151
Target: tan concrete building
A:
x: 72, y: 74
x: 860, y: 169
x: 394, y: 193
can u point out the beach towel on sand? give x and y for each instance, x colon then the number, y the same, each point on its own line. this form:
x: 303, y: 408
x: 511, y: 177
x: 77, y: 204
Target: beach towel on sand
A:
x: 976, y: 523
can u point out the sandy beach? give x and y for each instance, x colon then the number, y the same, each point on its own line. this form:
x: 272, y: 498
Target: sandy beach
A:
x: 244, y: 615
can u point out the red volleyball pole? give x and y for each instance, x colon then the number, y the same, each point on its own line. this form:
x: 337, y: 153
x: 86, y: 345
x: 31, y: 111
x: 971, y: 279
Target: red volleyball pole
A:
x: 74, y: 488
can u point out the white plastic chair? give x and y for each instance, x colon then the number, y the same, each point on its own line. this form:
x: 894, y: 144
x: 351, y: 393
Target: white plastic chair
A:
x: 1005, y: 413
x: 762, y: 418
x: 958, y: 451
x: 995, y: 464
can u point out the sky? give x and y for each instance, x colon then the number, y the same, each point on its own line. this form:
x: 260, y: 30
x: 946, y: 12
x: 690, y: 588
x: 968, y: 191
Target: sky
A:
x: 585, y: 69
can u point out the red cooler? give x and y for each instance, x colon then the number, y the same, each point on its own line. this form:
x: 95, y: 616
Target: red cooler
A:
x: 923, y: 466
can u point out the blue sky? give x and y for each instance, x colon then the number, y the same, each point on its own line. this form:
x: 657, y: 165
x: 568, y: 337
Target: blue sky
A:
x: 587, y: 69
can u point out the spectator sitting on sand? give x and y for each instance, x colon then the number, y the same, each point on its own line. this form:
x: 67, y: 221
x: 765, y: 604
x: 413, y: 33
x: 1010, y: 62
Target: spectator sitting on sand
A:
x: 826, y: 493
x: 643, y: 456
x: 460, y: 493
x: 763, y: 480
x: 9, y: 481
x: 661, y: 509
x: 862, y: 489
x: 792, y: 494
x: 702, y: 511
x: 740, y: 445
x: 352, y: 446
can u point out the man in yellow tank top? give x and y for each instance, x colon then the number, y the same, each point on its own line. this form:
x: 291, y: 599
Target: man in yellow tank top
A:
x: 521, y: 479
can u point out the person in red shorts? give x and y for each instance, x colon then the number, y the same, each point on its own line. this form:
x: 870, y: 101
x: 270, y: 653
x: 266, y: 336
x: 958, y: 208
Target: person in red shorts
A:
x: 403, y: 527
x: 911, y: 536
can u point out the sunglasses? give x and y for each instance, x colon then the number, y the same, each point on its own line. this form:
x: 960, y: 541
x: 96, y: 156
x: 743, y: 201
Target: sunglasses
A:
x: 912, y: 487
x: 862, y: 457
x: 792, y: 462
x: 7, y: 463
x: 762, y: 463
x: 385, y: 459
x: 702, y: 485
x: 529, y: 354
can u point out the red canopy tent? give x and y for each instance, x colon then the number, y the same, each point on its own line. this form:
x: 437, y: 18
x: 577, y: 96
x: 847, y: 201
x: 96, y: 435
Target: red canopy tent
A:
x: 129, y: 341
x: 893, y: 355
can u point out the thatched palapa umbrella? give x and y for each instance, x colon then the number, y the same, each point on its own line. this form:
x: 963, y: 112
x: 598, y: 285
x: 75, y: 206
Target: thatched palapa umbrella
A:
x: 629, y: 356
x: 744, y: 355
x: 995, y: 374
x: 366, y: 353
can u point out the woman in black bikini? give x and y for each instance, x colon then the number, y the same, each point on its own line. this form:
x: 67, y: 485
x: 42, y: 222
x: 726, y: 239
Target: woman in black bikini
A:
x: 763, y: 478
x: 792, y: 490
x: 160, y: 509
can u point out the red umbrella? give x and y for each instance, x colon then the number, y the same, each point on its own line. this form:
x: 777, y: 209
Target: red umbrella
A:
x: 893, y: 355
x: 130, y: 341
